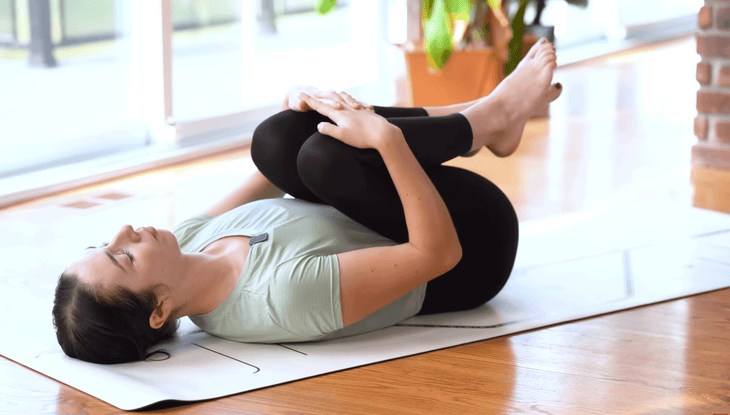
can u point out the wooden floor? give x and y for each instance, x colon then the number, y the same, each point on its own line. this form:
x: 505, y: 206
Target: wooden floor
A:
x: 620, y: 136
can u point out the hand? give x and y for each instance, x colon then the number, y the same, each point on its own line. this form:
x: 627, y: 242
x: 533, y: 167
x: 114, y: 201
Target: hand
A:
x: 358, y: 127
x: 294, y: 102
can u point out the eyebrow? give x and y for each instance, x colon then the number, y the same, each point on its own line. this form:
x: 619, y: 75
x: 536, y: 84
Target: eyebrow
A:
x: 115, y: 260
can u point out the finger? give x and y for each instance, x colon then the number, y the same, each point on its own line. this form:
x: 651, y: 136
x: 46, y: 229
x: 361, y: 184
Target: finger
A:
x: 331, y: 95
x: 328, y: 129
x: 350, y: 100
x: 318, y: 105
x: 331, y: 103
x: 334, y: 96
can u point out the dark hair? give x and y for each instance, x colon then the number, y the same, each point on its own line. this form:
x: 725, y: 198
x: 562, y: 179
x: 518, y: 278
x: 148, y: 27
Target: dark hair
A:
x: 106, y: 326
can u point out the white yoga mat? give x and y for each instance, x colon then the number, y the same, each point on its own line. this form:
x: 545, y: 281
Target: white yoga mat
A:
x: 567, y: 268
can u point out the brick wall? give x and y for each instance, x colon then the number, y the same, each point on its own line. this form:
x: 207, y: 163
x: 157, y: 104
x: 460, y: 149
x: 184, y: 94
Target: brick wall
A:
x: 712, y: 125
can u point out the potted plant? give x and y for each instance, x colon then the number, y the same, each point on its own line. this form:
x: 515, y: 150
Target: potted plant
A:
x: 477, y: 40
x: 462, y: 52
x: 472, y: 35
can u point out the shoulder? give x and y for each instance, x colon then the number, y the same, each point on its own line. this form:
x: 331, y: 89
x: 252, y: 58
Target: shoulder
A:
x: 188, y: 228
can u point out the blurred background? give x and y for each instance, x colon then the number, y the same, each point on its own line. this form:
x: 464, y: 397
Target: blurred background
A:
x: 74, y: 74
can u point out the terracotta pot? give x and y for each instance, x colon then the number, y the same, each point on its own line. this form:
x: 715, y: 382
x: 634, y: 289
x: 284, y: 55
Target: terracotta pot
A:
x: 468, y: 75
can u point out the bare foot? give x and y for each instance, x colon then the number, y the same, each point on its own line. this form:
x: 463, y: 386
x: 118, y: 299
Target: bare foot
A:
x: 497, y: 120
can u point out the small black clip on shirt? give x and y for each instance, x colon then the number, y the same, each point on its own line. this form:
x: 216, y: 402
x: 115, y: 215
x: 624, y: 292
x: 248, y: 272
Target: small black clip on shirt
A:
x: 258, y: 238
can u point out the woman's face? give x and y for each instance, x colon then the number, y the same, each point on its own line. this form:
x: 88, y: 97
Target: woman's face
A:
x: 136, y: 259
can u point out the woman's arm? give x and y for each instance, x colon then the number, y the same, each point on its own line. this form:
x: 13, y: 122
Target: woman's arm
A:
x: 372, y: 278
x: 255, y: 187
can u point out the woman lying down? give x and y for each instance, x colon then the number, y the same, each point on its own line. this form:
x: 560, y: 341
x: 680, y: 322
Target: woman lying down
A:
x: 378, y: 230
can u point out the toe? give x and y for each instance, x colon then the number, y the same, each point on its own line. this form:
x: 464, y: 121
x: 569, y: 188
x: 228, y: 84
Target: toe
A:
x: 555, y: 91
x: 535, y: 48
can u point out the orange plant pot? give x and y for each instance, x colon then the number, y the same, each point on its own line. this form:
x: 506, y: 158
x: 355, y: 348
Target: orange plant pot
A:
x: 468, y: 75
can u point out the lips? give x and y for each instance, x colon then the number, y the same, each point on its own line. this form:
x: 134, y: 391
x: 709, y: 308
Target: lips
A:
x: 149, y: 229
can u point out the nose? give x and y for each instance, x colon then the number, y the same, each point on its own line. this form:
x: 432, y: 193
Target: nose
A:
x: 127, y: 233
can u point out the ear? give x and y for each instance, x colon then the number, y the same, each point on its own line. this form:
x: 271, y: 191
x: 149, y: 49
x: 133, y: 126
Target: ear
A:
x: 161, y: 313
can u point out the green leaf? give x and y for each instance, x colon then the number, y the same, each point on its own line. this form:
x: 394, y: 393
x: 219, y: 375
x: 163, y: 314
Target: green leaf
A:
x: 518, y: 32
x: 438, y: 32
x: 325, y: 6
x: 459, y: 9
x: 427, y: 8
x: 495, y: 4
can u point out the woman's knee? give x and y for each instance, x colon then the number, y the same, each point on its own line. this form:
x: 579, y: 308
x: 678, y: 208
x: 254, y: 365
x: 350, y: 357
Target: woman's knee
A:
x: 277, y: 139
x: 322, y: 161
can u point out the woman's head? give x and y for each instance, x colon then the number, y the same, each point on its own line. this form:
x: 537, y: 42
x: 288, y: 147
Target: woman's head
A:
x: 106, y: 326
x: 115, y: 302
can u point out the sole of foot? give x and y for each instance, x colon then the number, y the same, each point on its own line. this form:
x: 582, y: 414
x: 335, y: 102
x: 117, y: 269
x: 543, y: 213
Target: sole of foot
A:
x: 499, y: 119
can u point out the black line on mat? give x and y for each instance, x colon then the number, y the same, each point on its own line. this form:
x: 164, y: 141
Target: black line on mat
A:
x: 717, y: 261
x: 702, y: 235
x: 449, y: 326
x: 562, y: 261
x: 225, y: 355
x: 293, y: 350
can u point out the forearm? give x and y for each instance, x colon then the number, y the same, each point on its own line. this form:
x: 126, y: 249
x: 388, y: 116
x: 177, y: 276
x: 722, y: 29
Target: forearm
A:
x: 255, y: 187
x: 430, y: 228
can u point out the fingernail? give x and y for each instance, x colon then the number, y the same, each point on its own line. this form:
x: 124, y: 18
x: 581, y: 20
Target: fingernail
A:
x: 543, y: 39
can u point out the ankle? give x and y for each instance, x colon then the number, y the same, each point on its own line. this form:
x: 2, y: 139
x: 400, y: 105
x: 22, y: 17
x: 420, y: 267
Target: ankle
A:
x: 447, y: 109
x: 488, y: 120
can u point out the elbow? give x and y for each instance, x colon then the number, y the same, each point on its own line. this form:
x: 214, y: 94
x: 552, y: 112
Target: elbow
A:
x: 456, y: 255
x: 450, y: 256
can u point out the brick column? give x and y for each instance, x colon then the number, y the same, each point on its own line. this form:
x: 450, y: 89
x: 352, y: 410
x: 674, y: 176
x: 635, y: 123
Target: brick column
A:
x: 712, y: 125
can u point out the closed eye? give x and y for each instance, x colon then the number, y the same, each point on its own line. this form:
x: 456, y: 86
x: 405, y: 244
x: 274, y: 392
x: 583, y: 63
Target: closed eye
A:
x: 129, y: 254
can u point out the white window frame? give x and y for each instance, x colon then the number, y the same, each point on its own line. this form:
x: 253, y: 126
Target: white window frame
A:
x: 175, y: 140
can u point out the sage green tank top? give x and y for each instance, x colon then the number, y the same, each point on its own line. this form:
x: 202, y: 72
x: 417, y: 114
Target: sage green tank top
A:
x: 289, y: 289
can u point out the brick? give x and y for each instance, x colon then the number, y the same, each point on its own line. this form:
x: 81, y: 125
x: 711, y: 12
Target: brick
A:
x: 704, y: 17
x: 713, y: 46
x: 721, y: 132
x: 712, y: 156
x: 713, y: 102
x: 723, y: 78
x: 701, y: 128
x: 703, y: 73
x: 722, y: 18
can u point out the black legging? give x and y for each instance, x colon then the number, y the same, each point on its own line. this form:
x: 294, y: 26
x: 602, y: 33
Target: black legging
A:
x: 294, y: 156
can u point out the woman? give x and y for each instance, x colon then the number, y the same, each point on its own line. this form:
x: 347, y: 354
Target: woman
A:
x: 378, y: 230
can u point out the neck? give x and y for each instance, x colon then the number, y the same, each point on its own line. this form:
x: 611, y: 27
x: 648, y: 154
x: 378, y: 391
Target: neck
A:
x: 203, y: 283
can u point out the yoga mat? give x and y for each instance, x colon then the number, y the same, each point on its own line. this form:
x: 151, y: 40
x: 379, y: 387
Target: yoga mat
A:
x: 567, y: 268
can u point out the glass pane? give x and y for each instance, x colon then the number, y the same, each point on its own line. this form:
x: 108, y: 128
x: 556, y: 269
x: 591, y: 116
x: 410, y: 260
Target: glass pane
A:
x: 6, y: 25
x: 265, y: 46
x: 573, y: 24
x: 635, y: 13
x: 89, y: 17
x: 86, y: 106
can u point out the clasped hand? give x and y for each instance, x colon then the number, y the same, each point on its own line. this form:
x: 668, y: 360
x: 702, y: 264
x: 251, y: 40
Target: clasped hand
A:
x: 358, y: 127
x: 294, y: 101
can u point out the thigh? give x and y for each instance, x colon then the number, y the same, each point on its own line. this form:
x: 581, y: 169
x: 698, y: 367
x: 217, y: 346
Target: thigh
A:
x: 357, y: 183
x: 487, y: 226
x: 277, y: 140
x: 275, y: 145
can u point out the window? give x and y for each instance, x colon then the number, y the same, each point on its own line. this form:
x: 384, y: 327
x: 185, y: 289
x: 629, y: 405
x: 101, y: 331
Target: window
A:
x: 109, y: 86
